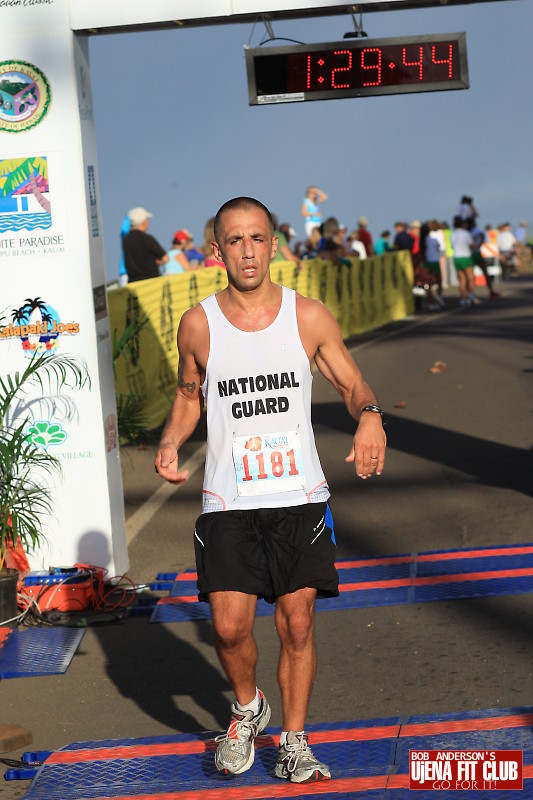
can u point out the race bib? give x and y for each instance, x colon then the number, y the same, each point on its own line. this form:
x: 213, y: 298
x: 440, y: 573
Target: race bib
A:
x: 268, y: 462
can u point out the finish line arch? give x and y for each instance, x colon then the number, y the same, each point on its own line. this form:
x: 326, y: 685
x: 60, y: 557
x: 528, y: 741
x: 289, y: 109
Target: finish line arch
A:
x: 51, y: 246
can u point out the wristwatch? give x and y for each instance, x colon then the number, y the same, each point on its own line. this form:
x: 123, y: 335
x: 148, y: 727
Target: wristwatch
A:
x: 376, y: 410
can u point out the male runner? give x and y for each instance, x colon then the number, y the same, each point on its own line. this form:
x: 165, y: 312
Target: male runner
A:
x: 266, y: 528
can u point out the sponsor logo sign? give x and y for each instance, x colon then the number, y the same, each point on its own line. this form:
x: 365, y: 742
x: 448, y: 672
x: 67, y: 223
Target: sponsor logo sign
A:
x: 465, y: 770
x: 45, y: 433
x: 24, y: 195
x: 38, y: 326
x: 25, y: 96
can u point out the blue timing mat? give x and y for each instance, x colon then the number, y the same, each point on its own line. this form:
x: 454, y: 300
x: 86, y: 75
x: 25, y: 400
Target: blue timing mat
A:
x: 38, y: 651
x: 391, y: 580
x: 367, y: 759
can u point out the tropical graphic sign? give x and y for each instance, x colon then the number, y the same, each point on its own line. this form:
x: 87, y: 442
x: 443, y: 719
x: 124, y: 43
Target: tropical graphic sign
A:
x: 25, y: 96
x: 24, y: 194
x: 38, y: 326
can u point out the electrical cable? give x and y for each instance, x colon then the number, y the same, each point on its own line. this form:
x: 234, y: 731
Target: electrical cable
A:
x: 279, y: 39
x: 111, y: 596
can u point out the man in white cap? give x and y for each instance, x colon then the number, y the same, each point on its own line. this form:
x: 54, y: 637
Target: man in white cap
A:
x: 143, y: 255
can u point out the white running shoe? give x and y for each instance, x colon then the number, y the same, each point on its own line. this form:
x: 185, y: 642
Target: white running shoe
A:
x: 297, y: 763
x: 235, y: 752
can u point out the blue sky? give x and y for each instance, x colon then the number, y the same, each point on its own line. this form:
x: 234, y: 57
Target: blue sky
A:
x: 175, y: 132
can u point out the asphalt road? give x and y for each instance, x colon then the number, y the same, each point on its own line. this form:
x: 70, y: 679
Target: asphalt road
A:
x: 458, y: 474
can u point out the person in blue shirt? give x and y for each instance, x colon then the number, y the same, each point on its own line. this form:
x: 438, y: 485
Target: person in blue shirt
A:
x: 311, y: 210
x: 382, y: 245
x: 122, y: 274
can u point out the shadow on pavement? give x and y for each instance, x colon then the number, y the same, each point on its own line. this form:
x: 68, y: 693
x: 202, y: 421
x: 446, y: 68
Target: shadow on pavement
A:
x: 490, y: 463
x: 154, y: 667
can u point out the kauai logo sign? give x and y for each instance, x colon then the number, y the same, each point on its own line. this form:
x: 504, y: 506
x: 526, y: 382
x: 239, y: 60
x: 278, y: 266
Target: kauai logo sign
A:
x: 38, y: 326
x: 25, y: 96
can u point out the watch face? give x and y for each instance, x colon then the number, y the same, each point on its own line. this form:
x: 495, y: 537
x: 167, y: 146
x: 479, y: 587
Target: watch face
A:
x: 356, y: 69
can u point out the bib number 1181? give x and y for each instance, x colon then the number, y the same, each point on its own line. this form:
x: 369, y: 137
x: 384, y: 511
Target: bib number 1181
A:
x: 277, y: 467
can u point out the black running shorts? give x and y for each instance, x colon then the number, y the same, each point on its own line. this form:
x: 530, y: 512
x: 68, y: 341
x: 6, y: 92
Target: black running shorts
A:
x: 267, y: 551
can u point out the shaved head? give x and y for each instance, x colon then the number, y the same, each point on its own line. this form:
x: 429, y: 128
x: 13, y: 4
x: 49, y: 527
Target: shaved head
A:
x: 241, y: 203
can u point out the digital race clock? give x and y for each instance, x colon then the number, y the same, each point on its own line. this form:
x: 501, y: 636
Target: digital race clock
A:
x: 357, y: 68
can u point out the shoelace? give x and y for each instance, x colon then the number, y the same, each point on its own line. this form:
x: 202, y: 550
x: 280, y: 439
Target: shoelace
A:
x: 301, y: 748
x: 239, y: 732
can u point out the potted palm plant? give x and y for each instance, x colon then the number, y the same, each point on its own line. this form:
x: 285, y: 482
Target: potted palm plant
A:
x: 26, y: 468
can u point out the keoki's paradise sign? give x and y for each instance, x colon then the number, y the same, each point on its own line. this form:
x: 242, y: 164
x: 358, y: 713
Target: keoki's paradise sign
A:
x: 461, y: 770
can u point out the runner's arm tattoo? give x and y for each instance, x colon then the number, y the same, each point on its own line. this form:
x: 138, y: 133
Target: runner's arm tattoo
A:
x: 182, y: 383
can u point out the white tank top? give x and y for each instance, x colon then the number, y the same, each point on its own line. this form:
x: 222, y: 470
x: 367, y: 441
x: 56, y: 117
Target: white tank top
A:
x: 261, y: 449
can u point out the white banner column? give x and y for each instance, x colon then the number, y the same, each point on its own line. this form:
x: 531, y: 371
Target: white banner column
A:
x: 52, y: 274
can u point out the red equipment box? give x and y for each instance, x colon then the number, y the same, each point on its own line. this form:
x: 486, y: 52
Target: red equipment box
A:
x: 61, y: 589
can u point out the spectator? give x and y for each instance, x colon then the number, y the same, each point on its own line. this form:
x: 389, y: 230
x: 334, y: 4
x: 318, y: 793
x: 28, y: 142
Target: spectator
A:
x: 383, y: 244
x: 343, y: 231
x: 478, y: 238
x: 195, y: 257
x: 334, y: 252
x: 356, y: 245
x: 287, y: 229
x: 521, y: 233
x: 430, y: 249
x: 414, y: 232
x: 450, y: 273
x: 463, y: 245
x: 402, y: 239
x: 143, y: 255
x: 122, y: 274
x: 467, y: 210
x: 507, y: 245
x: 331, y: 232
x: 210, y: 260
x: 311, y: 210
x: 284, y: 252
x: 177, y: 260
x: 311, y: 248
x: 436, y: 232
x: 364, y: 235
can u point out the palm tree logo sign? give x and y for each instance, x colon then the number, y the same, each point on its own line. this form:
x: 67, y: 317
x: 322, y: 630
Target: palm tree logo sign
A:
x: 38, y: 325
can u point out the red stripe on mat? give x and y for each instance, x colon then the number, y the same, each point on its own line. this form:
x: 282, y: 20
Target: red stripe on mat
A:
x: 4, y: 634
x: 285, y: 789
x: 315, y: 737
x: 454, y: 555
x: 424, y: 557
x: 397, y: 583
x: 436, y: 579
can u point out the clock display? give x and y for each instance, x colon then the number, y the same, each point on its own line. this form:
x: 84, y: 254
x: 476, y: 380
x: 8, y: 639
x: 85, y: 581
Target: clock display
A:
x: 357, y: 68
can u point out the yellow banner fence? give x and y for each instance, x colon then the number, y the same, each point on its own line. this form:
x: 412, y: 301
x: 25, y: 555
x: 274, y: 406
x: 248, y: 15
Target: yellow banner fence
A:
x: 361, y: 295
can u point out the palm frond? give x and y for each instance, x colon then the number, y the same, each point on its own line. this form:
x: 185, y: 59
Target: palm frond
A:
x: 122, y: 343
x: 131, y: 419
x: 25, y: 474
x: 50, y: 372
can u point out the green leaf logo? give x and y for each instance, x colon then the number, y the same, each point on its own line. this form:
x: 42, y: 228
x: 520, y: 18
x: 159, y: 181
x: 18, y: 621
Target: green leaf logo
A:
x: 45, y: 434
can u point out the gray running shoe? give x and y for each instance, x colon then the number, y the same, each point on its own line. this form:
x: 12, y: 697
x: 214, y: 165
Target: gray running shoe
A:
x: 235, y: 752
x: 297, y: 763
